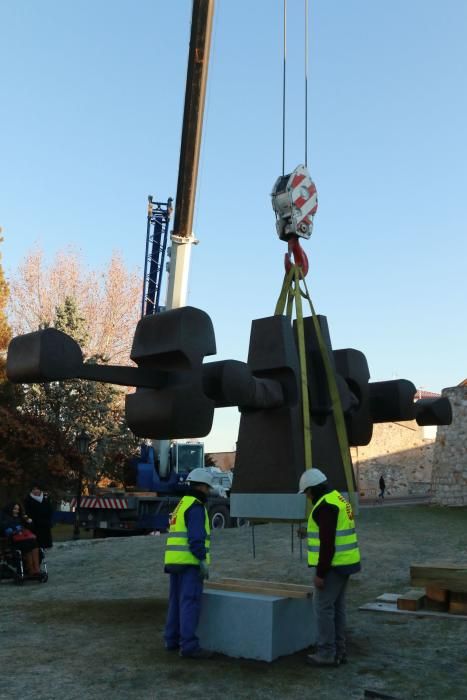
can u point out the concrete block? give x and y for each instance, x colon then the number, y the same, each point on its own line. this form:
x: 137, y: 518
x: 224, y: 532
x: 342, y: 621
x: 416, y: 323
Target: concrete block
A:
x: 268, y: 506
x: 254, y: 626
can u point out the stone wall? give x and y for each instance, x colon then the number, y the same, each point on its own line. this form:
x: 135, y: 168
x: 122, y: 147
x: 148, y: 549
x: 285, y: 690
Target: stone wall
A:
x: 223, y: 460
x: 402, y: 454
x: 449, y: 482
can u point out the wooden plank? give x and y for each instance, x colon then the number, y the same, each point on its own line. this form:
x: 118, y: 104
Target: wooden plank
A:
x: 440, y: 595
x: 411, y: 600
x: 388, y: 597
x: 391, y: 608
x: 452, y: 577
x: 270, y: 584
x: 248, y: 587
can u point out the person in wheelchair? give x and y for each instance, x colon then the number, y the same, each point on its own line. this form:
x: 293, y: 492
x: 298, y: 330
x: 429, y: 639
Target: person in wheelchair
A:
x: 13, y: 524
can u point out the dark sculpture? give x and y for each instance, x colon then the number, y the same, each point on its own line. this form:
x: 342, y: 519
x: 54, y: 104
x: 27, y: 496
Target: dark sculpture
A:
x: 177, y: 393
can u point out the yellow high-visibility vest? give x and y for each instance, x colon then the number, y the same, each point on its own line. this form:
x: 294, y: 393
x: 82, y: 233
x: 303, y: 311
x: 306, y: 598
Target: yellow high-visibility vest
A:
x: 346, y: 545
x: 177, y: 550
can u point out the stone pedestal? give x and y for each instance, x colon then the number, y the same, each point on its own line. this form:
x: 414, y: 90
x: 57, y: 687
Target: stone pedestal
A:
x: 255, y: 626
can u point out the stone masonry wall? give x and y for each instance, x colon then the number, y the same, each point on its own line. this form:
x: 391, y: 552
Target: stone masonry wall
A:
x: 450, y: 456
x: 399, y: 452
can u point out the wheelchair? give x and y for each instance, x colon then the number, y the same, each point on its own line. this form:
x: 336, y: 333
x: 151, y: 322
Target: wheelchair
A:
x: 12, y: 564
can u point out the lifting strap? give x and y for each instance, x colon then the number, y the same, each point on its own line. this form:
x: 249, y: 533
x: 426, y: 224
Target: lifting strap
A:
x: 292, y: 293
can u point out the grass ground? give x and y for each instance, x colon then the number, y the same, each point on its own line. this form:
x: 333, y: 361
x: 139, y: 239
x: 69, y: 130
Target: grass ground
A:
x: 94, y: 630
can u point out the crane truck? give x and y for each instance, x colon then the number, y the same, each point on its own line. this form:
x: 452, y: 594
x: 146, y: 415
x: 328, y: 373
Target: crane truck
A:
x: 146, y: 507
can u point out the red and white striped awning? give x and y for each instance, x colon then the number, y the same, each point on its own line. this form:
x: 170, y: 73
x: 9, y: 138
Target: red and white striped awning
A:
x: 101, y: 502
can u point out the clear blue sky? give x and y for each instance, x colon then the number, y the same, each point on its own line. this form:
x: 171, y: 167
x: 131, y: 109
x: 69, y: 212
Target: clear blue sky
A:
x: 92, y: 98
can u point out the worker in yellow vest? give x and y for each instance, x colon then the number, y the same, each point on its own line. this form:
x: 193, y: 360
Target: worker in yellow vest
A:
x: 333, y: 552
x: 187, y: 560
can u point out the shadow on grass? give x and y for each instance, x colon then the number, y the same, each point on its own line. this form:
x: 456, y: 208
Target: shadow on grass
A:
x: 63, y: 532
x: 120, y: 611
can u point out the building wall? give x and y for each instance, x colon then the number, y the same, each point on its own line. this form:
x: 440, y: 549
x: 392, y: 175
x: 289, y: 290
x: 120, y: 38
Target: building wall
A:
x: 223, y: 460
x: 402, y: 454
x: 450, y: 456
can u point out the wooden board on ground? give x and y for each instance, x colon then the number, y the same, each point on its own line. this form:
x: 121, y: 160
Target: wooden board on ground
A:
x: 441, y: 595
x: 458, y: 603
x: 284, y: 590
x: 438, y: 605
x: 411, y: 600
x: 452, y: 577
x: 392, y: 608
x: 388, y: 598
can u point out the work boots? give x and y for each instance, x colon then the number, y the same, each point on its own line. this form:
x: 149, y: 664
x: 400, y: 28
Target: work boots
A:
x: 321, y: 660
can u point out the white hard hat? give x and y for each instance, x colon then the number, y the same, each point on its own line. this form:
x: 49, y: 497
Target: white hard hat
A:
x: 312, y: 477
x: 200, y: 476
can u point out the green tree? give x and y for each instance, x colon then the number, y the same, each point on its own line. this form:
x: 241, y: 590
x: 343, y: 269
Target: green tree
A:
x: 69, y: 406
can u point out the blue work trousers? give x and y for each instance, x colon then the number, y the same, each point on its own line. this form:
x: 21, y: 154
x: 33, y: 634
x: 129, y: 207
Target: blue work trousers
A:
x: 186, y: 589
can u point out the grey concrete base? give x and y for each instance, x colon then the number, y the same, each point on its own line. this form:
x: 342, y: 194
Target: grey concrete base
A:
x: 268, y: 506
x: 254, y: 626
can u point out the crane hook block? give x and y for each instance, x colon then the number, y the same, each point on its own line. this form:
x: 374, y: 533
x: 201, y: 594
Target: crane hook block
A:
x: 295, y: 201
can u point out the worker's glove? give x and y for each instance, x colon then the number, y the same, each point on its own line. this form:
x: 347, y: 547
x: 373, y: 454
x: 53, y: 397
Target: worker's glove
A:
x: 9, y: 531
x: 203, y: 570
x: 18, y: 528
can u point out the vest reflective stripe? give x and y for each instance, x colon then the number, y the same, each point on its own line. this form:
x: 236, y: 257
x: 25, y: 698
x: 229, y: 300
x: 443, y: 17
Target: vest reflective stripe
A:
x: 184, y: 533
x: 346, y: 544
x: 177, y: 550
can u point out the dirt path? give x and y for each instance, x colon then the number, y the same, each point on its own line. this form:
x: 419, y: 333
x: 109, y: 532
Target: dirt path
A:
x: 94, y: 631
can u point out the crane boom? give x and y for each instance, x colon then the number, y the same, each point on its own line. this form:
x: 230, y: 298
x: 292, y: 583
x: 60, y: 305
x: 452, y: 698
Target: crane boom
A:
x: 182, y: 236
x: 195, y: 93
x: 197, y: 72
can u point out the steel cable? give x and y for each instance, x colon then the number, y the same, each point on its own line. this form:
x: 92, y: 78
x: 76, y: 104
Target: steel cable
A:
x: 283, y: 86
x: 306, y: 83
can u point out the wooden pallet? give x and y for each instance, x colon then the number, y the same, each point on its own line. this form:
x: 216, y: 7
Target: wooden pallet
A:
x: 445, y: 585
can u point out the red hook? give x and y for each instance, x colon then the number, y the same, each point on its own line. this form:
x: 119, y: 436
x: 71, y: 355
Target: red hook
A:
x: 300, y: 258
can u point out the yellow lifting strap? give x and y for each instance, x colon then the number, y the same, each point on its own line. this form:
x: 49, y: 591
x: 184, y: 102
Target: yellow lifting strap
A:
x: 290, y: 293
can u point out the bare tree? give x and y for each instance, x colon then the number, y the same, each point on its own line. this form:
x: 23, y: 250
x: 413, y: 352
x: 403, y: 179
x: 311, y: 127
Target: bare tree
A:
x: 108, y: 299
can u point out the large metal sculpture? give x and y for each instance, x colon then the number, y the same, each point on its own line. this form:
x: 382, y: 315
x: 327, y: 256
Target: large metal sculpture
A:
x: 177, y: 393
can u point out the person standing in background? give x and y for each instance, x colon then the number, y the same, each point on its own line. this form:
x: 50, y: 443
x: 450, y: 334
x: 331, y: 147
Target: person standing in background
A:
x: 382, y: 487
x: 39, y: 508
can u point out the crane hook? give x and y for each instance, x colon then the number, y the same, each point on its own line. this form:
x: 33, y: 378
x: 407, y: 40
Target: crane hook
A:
x: 299, y: 256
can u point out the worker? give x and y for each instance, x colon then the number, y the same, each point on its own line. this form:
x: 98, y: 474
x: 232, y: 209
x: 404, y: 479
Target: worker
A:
x: 333, y: 552
x: 187, y: 560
